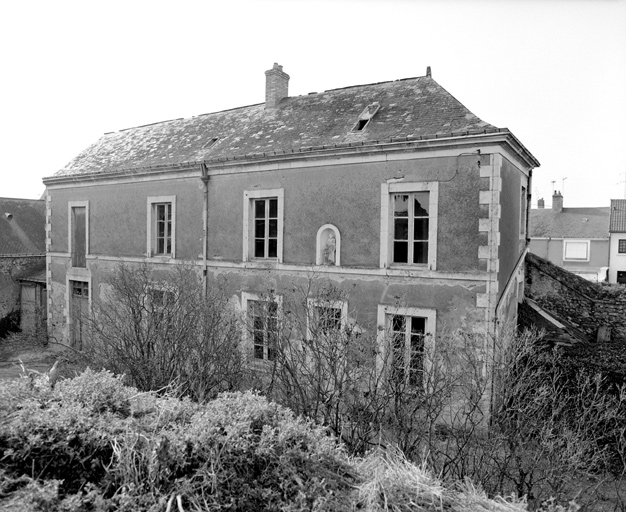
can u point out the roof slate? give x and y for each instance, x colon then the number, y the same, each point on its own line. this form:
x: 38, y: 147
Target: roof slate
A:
x: 22, y: 226
x: 413, y: 107
x: 618, y: 216
x: 570, y: 223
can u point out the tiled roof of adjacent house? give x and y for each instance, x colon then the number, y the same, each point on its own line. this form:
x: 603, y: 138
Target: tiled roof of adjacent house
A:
x: 413, y: 107
x: 618, y: 216
x: 570, y: 223
x: 22, y: 226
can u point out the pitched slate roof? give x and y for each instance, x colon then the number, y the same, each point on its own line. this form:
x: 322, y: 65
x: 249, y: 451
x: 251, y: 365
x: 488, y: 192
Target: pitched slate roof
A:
x: 413, y: 107
x: 618, y: 216
x: 22, y: 226
x: 570, y: 223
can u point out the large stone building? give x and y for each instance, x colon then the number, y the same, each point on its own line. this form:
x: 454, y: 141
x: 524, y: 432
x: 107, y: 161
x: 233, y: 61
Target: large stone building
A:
x: 393, y: 191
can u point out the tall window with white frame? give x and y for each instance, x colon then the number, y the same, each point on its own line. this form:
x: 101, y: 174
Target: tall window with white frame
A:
x: 266, y: 228
x: 407, y: 349
x: 163, y: 229
x: 263, y: 326
x: 410, y: 228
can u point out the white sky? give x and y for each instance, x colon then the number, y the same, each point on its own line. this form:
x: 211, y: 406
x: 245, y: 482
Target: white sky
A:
x: 552, y: 71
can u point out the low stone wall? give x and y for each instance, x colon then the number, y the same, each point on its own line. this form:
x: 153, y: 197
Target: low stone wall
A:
x: 586, y: 305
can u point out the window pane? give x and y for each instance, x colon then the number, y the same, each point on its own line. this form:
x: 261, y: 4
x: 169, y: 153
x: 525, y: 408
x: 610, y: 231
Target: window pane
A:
x: 273, y: 208
x: 258, y: 351
x: 420, y: 207
x: 401, y: 229
x: 418, y: 325
x: 169, y: 245
x: 160, y: 212
x: 259, y: 248
x: 420, y: 252
x: 160, y: 246
x: 259, y: 208
x: 272, y: 248
x: 259, y: 228
x: 420, y: 229
x: 397, y: 323
x: 400, y: 205
x: 400, y: 252
x: 273, y: 228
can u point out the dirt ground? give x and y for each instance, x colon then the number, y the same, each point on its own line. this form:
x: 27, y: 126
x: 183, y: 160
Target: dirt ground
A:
x: 13, y: 355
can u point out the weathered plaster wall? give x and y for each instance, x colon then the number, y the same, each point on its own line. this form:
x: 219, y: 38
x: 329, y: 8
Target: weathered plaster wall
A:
x: 349, y: 197
x: 118, y: 216
x: 10, y: 269
x: 454, y: 301
x: 511, y: 245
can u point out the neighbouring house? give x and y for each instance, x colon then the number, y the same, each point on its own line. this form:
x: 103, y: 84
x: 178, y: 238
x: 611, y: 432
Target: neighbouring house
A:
x: 393, y: 191
x: 617, y: 235
x: 576, y: 239
x: 22, y: 253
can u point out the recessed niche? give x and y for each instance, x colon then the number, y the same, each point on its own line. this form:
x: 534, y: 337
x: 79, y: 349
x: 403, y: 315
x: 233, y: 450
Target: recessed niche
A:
x: 328, y: 246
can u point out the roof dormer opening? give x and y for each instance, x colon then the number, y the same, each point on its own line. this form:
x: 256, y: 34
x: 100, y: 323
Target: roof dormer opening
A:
x: 366, y: 116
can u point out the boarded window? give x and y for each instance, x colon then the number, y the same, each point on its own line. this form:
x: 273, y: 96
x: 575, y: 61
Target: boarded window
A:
x: 79, y: 236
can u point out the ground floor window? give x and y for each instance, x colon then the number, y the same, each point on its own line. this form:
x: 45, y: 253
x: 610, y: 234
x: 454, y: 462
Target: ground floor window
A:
x: 79, y: 309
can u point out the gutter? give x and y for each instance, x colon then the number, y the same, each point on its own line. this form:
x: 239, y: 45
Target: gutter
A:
x: 205, y: 223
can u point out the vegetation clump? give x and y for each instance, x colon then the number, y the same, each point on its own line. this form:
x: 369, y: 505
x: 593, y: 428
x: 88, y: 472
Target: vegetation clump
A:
x: 93, y: 443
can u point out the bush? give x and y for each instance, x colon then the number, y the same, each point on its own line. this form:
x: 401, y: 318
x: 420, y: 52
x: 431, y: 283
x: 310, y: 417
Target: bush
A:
x: 161, y: 328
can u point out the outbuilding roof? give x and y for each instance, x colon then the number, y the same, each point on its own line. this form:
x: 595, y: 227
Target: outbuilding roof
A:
x: 570, y: 223
x: 414, y: 107
x: 22, y: 227
x: 618, y: 216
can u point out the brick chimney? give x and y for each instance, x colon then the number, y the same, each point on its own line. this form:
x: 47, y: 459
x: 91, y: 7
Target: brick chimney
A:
x: 557, y: 201
x: 541, y: 203
x: 276, y: 86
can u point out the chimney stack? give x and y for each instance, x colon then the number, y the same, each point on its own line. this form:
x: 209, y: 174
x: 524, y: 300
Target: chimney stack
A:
x: 541, y: 203
x: 557, y: 201
x: 276, y: 86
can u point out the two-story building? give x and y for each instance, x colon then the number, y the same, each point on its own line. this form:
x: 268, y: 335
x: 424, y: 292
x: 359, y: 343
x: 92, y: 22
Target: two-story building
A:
x: 393, y: 191
x: 576, y: 239
x: 617, y: 235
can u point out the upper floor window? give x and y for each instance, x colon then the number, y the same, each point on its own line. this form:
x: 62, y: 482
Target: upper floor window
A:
x: 161, y: 226
x: 621, y: 246
x: 78, y: 230
x: 263, y: 225
x: 576, y: 250
x: 409, y: 224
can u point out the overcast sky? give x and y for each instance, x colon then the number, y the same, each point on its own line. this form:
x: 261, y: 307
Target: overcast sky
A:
x: 552, y: 71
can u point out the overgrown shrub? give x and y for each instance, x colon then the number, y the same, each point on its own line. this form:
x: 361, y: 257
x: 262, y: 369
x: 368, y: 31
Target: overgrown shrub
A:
x: 162, y: 327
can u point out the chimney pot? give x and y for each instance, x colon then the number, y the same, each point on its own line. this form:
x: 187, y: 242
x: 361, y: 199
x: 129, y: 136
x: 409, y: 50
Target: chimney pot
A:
x: 276, y: 86
x: 428, y: 73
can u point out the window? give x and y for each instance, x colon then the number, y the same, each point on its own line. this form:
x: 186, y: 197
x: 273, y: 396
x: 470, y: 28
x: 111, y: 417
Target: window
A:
x: 262, y: 324
x: 78, y: 230
x: 366, y: 116
x: 409, y: 224
x: 78, y: 311
x: 407, y: 348
x: 407, y: 335
x: 162, y: 226
x: 326, y: 317
x: 263, y: 225
x: 79, y: 236
x: 576, y: 250
x: 410, y: 228
x: 621, y: 246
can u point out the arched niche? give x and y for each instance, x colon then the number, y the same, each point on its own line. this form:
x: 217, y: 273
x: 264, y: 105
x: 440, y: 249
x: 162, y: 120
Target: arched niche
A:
x: 328, y: 246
